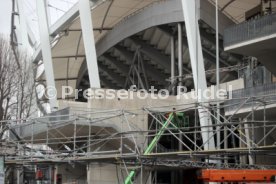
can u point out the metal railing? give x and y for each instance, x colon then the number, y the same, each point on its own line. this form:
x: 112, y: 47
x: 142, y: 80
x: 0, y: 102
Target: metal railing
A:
x: 266, y: 93
x: 249, y: 30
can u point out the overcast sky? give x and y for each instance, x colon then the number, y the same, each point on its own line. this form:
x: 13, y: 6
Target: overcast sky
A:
x: 5, y: 16
x: 56, y: 7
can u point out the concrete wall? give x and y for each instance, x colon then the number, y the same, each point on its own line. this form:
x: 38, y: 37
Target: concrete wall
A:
x: 102, y: 173
x: 99, y: 173
x: 72, y: 173
x: 136, y: 117
x: 188, y: 99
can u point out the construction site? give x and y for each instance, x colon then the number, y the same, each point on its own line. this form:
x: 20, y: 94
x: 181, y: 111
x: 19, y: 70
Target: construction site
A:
x: 210, y: 118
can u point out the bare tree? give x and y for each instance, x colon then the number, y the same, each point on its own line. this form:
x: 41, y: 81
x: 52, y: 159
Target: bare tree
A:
x: 17, y: 85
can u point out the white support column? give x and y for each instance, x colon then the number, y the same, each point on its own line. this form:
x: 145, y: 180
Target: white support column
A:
x: 190, y: 10
x: 89, y: 43
x: 46, y: 49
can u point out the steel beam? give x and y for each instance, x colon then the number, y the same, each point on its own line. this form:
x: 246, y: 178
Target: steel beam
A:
x: 152, y: 72
x: 117, y: 78
x: 118, y: 64
x: 94, y: 29
x: 68, y: 17
x: 107, y: 83
x: 69, y: 56
x: 46, y: 48
x: 207, y: 52
x: 191, y: 17
x: 208, y: 55
x: 89, y: 43
x: 161, y: 13
x: 170, y: 32
x: 152, y: 53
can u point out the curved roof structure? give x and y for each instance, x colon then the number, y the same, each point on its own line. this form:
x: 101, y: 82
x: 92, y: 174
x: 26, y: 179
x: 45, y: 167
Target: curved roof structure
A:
x: 68, y: 49
x: 122, y: 26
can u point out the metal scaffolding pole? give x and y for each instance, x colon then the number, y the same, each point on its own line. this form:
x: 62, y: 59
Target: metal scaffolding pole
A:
x: 173, y: 64
x: 151, y: 146
x: 217, y: 76
x: 180, y: 54
x: 180, y: 83
x: 218, y: 128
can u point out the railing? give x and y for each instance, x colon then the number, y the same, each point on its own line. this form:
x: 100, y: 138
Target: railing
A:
x: 249, y: 30
x: 250, y: 96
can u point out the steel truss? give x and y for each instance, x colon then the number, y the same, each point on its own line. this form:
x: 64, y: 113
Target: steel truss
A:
x: 88, y: 132
x: 181, y: 163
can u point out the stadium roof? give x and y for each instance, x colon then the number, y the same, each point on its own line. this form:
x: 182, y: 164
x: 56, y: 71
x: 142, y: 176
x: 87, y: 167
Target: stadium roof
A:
x: 68, y: 49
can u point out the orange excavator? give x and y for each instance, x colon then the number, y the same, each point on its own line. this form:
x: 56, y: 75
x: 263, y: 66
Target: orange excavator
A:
x: 244, y: 176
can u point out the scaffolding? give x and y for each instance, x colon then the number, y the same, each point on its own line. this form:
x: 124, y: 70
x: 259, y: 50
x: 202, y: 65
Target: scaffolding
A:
x: 111, y: 136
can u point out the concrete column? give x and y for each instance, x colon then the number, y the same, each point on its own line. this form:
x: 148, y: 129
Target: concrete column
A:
x: 98, y: 173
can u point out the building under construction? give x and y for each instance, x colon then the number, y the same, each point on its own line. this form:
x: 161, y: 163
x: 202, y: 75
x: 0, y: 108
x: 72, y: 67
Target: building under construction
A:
x: 122, y: 48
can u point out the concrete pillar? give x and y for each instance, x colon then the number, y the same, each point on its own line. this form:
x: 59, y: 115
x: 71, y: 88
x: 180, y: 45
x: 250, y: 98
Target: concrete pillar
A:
x: 98, y: 173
